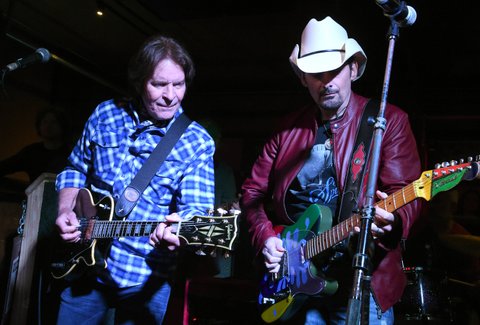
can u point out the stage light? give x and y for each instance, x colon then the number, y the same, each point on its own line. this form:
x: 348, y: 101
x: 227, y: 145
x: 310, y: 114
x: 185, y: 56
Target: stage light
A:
x: 100, y: 8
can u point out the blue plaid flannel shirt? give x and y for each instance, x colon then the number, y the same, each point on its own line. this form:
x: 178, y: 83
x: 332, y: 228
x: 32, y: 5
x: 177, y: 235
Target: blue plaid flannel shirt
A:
x: 113, y: 147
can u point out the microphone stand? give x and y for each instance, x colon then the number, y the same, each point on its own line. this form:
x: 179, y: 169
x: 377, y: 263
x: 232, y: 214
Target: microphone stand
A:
x: 360, y: 296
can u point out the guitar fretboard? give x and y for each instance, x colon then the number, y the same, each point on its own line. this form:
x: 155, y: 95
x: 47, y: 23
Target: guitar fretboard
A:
x: 115, y: 229
x: 209, y: 231
x: 101, y: 229
x: 341, y: 231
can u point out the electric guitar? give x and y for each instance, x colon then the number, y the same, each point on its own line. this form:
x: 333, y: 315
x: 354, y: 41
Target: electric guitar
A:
x: 283, y: 293
x: 96, y: 223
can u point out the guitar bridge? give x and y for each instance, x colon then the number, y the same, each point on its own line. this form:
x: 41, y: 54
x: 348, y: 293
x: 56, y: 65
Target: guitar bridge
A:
x: 275, y: 297
x: 281, y: 295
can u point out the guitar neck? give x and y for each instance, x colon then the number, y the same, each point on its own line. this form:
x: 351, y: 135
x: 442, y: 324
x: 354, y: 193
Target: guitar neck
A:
x: 213, y: 231
x: 341, y: 231
x: 429, y: 184
x: 120, y: 228
x: 96, y: 223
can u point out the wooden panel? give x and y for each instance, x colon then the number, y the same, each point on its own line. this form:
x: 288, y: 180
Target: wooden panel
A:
x: 10, y: 213
x: 41, y: 206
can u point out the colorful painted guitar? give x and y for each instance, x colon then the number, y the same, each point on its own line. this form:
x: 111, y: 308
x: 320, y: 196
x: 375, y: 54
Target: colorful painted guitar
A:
x: 282, y: 294
x: 96, y: 223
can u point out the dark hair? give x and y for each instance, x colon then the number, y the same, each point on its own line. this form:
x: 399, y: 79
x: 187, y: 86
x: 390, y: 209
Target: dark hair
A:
x: 154, y: 50
x: 59, y: 115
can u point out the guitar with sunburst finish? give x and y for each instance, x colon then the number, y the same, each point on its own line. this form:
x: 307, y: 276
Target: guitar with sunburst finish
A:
x: 96, y: 225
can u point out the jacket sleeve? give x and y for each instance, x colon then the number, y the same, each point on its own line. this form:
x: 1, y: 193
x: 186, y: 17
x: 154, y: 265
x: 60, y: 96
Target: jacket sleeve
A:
x: 400, y: 166
x: 255, y: 195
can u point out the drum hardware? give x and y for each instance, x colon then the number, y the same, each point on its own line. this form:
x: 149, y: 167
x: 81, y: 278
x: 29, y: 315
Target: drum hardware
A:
x: 424, y: 297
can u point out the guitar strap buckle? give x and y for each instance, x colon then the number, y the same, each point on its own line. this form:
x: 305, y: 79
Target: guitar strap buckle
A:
x: 127, y: 201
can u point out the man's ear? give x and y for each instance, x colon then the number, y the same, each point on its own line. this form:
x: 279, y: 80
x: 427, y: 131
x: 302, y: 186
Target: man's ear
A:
x: 353, y: 70
x: 301, y: 76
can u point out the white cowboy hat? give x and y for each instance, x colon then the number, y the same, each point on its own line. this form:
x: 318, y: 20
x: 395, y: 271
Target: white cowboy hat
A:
x: 325, y: 47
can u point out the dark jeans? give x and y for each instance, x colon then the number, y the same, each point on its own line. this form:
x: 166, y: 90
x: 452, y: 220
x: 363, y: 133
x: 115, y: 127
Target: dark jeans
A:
x: 89, y: 303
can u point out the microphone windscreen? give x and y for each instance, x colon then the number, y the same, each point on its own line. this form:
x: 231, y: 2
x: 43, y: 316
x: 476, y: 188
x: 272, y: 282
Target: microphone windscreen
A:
x: 44, y: 54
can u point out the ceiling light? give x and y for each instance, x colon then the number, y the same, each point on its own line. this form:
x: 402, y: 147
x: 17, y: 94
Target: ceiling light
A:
x: 100, y: 8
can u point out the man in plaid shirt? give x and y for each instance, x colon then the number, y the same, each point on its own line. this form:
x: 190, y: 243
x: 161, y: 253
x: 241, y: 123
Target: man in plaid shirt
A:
x: 117, y: 139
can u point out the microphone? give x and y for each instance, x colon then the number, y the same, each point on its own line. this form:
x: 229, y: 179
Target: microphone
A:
x: 402, y: 14
x: 40, y: 55
x: 473, y: 173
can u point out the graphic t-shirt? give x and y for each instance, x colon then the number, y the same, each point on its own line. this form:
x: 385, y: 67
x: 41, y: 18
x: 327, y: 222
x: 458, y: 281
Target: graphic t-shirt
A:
x: 316, y: 181
x: 316, y: 184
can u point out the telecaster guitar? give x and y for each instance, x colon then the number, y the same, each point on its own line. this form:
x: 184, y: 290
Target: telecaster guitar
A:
x: 282, y: 294
x: 96, y: 223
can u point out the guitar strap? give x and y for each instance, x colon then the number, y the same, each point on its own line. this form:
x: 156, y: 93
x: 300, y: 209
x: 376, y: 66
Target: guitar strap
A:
x: 358, y: 161
x: 132, y: 192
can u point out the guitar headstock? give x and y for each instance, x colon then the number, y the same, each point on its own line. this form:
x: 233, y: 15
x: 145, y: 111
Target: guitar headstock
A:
x: 447, y: 175
x: 468, y: 168
x: 212, y: 231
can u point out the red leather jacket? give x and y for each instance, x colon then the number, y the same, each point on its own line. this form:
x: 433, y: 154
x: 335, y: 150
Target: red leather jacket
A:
x: 283, y: 156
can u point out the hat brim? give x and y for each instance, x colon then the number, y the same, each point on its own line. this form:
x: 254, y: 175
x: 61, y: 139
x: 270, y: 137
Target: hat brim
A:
x: 331, y: 60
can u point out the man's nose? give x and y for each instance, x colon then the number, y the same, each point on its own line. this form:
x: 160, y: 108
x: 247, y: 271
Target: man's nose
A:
x: 169, y: 92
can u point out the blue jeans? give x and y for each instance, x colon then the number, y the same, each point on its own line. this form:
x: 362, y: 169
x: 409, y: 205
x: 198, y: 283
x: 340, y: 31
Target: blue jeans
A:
x: 89, y: 303
x: 338, y: 316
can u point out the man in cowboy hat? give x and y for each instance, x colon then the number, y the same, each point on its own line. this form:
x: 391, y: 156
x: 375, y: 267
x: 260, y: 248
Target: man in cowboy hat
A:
x: 309, y: 161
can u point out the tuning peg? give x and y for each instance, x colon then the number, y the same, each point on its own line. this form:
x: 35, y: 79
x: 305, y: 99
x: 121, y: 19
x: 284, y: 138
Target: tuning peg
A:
x: 213, y: 253
x: 235, y: 212
x: 437, y: 166
x: 221, y: 211
x: 200, y: 252
x: 453, y: 162
x: 445, y: 164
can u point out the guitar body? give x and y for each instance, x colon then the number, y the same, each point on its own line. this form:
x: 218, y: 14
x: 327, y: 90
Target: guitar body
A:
x: 81, y: 256
x: 282, y: 295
